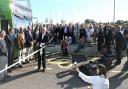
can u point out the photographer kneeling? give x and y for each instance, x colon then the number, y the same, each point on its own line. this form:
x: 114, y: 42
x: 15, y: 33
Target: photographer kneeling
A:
x: 100, y: 81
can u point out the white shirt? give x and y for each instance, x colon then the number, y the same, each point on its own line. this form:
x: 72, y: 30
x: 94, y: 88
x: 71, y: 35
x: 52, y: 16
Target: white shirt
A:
x: 88, y: 33
x: 92, y: 31
x: 45, y: 29
x: 65, y: 30
x: 43, y: 36
x: 98, y: 82
x: 30, y: 33
x: 122, y: 32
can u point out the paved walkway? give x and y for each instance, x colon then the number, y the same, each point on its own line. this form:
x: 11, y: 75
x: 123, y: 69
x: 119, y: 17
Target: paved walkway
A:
x: 58, y: 78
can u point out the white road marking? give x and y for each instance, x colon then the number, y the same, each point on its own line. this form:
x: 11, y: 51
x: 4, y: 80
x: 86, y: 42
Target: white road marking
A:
x: 114, y: 71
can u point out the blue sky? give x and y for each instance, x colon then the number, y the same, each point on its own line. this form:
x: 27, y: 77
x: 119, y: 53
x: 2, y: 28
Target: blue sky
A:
x: 79, y: 10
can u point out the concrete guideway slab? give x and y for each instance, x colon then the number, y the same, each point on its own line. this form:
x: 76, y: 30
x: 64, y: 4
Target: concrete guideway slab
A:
x: 60, y: 78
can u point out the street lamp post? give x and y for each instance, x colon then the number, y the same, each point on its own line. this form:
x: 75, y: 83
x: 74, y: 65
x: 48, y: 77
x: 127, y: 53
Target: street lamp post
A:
x: 114, y: 12
x: 49, y: 14
x: 0, y: 16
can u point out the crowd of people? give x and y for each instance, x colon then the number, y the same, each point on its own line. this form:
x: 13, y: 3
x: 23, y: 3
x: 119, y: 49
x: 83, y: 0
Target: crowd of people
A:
x: 104, y: 35
x: 13, y: 42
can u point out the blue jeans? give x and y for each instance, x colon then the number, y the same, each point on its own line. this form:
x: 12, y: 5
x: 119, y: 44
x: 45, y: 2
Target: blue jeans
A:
x: 79, y: 47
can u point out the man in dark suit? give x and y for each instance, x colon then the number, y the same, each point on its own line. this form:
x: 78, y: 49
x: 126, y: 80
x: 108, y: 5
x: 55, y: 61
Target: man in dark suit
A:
x: 9, y: 42
x: 100, y: 39
x: 42, y: 40
x: 126, y: 39
x: 119, y: 40
x: 35, y: 37
x: 29, y: 39
x: 108, y: 37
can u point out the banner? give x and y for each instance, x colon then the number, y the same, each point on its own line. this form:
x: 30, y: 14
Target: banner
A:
x: 21, y: 10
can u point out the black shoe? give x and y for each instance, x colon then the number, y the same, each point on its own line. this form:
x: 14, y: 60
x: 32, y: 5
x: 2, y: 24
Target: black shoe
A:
x: 38, y: 70
x: 27, y: 61
x: 24, y: 63
x: 9, y: 71
x: 118, y: 63
x: 43, y: 70
x: 20, y: 66
x: 36, y: 60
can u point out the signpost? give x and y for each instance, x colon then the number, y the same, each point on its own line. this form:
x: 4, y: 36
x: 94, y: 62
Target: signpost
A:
x: 114, y: 12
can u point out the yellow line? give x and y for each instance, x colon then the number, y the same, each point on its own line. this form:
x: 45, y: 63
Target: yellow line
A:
x: 60, y: 63
x: 57, y: 62
x: 67, y: 67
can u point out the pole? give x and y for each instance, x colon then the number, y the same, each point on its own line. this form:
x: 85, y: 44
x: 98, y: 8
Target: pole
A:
x: 49, y: 14
x: 0, y: 17
x: 114, y: 12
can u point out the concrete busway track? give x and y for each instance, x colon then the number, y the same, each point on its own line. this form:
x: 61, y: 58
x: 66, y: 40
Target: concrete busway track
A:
x: 60, y: 78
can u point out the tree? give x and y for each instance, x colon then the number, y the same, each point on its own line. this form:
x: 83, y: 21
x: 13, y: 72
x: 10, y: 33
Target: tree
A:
x: 119, y: 22
x: 87, y: 21
x: 126, y: 22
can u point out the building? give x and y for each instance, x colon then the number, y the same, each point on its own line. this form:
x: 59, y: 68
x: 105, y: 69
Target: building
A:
x: 15, y: 14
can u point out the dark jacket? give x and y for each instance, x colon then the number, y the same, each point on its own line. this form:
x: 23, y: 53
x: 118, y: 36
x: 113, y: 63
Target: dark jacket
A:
x: 100, y: 36
x: 119, y: 40
x: 44, y: 40
x: 3, y: 49
x: 108, y: 33
x: 35, y: 35
x: 28, y: 38
x: 9, y: 41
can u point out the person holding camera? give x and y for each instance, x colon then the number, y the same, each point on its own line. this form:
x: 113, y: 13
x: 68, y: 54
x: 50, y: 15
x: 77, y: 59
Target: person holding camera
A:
x: 100, y: 81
